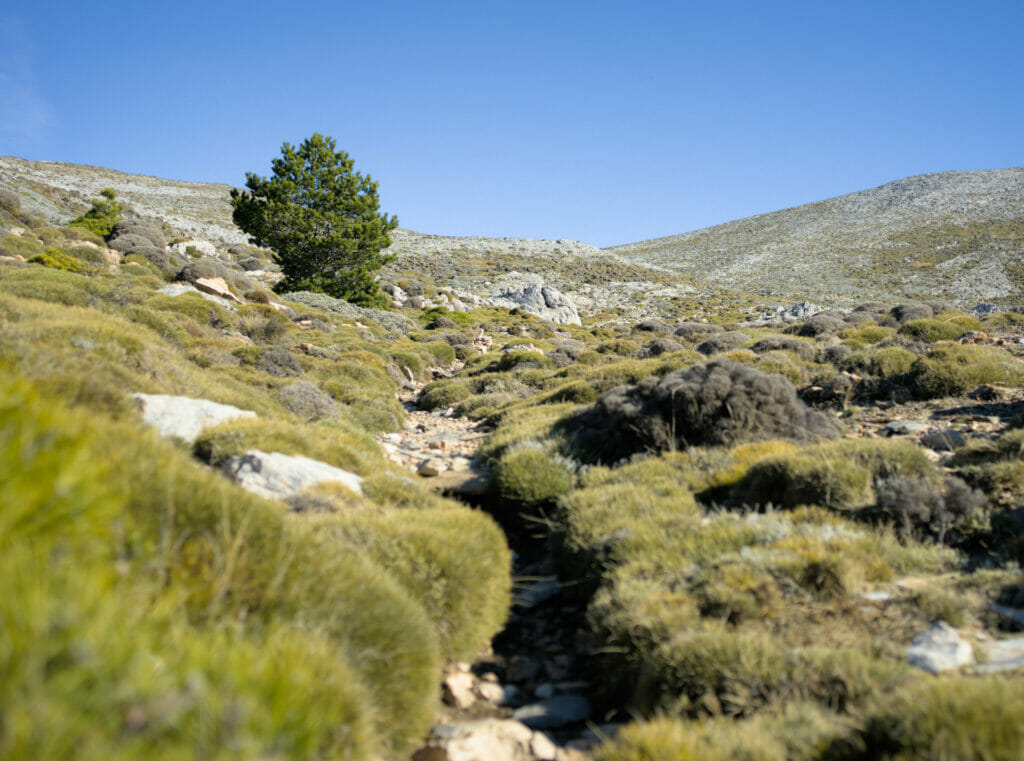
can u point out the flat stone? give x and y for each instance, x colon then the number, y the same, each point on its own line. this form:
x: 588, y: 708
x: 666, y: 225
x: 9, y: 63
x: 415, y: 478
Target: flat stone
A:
x: 939, y: 649
x: 276, y: 476
x: 1003, y: 655
x: 945, y: 440
x: 555, y: 712
x: 184, y: 418
x: 216, y: 286
x: 904, y: 427
x: 431, y: 467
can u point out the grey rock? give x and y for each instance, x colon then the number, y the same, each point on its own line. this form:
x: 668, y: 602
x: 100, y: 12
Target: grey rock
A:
x: 939, y: 649
x: 276, y: 476
x: 555, y: 712
x: 945, y: 440
x: 546, y: 302
x: 185, y: 418
x: 903, y: 427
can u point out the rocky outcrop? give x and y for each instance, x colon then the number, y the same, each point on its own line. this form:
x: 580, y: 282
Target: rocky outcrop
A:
x: 546, y: 302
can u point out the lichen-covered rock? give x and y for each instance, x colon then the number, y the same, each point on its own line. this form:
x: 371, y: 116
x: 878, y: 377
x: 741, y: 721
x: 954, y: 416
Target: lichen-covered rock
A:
x: 546, y: 302
x: 718, y: 403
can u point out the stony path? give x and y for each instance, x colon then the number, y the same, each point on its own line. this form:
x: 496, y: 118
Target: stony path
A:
x: 525, y: 699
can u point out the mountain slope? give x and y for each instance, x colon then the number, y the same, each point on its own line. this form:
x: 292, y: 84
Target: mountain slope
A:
x: 954, y: 234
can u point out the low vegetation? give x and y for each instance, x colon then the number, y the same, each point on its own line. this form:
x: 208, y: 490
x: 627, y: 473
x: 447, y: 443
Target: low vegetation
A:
x: 754, y: 539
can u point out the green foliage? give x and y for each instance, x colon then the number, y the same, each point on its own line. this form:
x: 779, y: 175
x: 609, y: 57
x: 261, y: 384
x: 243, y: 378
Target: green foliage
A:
x: 532, y: 474
x: 58, y: 260
x: 931, y: 330
x: 104, y: 214
x: 152, y: 609
x: 321, y: 219
x: 465, y: 594
x: 837, y: 475
x: 890, y: 361
x: 954, y: 369
x: 951, y: 718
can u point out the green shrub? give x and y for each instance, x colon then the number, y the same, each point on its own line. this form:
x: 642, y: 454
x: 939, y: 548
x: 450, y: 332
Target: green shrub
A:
x: 224, y: 626
x: 72, y: 232
x: 950, y: 718
x: 58, y: 260
x: 890, y: 361
x: 532, y: 474
x: 444, y: 393
x: 865, y: 335
x: 192, y: 305
x: 955, y: 369
x: 512, y: 360
x: 466, y: 593
x: 931, y: 330
x: 103, y: 215
x: 838, y: 475
x: 336, y: 442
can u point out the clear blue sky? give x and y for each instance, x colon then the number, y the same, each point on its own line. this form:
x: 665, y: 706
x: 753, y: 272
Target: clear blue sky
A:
x: 598, y: 121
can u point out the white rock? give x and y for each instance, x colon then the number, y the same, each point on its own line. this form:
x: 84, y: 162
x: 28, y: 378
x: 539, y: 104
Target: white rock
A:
x: 546, y: 302
x: 488, y: 740
x: 184, y: 418
x: 940, y: 648
x: 458, y: 689
x: 277, y: 475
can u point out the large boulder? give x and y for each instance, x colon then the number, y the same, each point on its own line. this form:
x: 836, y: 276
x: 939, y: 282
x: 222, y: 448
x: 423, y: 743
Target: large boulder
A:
x: 718, y: 403
x: 277, y: 476
x: 184, y: 418
x: 546, y: 302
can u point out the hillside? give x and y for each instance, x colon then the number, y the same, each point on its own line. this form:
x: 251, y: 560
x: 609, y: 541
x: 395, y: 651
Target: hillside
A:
x: 248, y: 525
x: 959, y: 235
x: 955, y: 235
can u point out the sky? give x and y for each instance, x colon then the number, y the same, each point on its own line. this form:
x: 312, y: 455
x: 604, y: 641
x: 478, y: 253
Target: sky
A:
x: 605, y: 122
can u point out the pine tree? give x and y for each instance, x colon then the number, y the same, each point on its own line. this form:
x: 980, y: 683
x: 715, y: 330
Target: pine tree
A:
x: 321, y: 219
x: 104, y: 214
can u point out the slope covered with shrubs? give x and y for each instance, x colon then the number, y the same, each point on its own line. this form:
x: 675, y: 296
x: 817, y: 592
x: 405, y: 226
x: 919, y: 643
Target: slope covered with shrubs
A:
x: 149, y: 607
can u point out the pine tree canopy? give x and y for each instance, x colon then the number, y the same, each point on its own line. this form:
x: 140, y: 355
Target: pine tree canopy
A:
x: 321, y: 219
